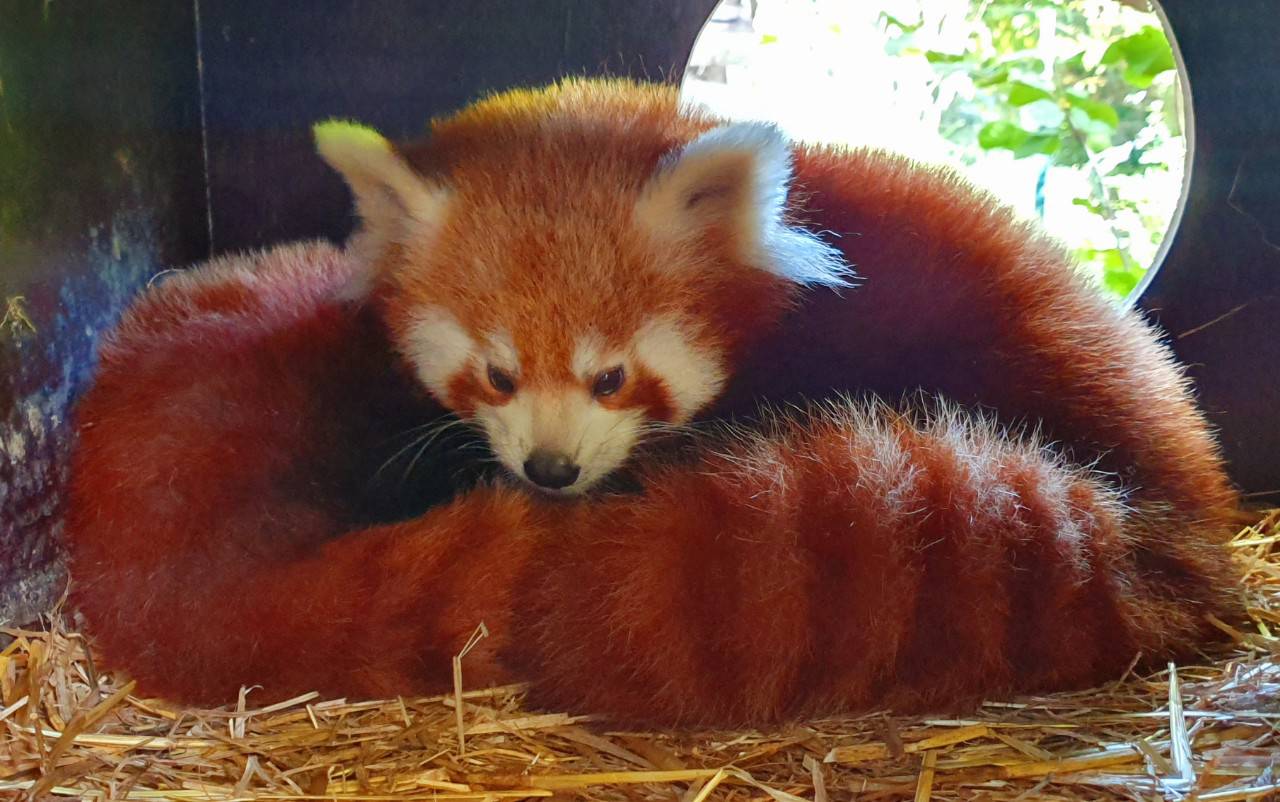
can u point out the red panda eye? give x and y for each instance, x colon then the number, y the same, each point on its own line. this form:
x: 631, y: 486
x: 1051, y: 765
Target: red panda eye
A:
x: 608, y: 382
x: 501, y: 381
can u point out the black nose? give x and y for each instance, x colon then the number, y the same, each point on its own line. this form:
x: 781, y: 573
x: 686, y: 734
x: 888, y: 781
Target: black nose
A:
x: 550, y: 469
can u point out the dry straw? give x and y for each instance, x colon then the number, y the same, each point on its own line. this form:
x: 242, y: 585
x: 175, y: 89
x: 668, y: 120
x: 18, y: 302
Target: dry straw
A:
x: 1207, y: 732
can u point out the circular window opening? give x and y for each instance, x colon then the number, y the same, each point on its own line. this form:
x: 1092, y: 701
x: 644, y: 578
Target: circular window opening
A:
x: 1074, y: 112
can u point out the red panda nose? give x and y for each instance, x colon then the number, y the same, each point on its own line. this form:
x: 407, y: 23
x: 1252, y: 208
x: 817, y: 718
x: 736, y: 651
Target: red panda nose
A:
x: 550, y: 469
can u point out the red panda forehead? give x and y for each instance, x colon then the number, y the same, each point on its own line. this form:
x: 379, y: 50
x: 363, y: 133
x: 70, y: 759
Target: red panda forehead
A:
x: 558, y: 351
x: 530, y: 269
x: 545, y: 295
x: 532, y: 275
x: 552, y: 201
x: 495, y: 151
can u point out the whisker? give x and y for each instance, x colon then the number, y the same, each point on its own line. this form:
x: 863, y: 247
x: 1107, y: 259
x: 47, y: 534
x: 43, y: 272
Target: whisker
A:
x: 577, y: 448
x: 422, y: 437
x: 432, y: 438
x: 396, y: 456
x: 412, y: 430
x: 409, y: 470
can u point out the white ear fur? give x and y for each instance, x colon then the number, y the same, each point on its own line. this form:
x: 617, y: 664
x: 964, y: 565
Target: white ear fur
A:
x: 394, y: 202
x: 737, y: 176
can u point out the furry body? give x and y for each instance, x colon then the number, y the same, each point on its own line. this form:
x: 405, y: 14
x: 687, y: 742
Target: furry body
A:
x: 828, y: 561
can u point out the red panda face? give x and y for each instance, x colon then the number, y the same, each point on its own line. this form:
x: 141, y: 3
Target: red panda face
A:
x: 564, y: 331
x: 569, y: 284
x: 566, y: 412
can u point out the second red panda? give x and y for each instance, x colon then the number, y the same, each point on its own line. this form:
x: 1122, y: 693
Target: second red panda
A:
x: 567, y: 269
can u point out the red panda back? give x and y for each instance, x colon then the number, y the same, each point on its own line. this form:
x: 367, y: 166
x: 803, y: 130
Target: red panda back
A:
x: 960, y: 299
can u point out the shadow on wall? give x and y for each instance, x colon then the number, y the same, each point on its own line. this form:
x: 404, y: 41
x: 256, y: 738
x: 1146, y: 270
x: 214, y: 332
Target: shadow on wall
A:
x: 99, y: 185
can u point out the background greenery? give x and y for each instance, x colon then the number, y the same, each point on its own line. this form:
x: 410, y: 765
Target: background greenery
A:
x: 1069, y: 109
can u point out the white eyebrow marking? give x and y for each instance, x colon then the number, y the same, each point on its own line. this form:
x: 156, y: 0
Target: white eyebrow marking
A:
x: 589, y: 357
x: 586, y: 354
x: 500, y: 350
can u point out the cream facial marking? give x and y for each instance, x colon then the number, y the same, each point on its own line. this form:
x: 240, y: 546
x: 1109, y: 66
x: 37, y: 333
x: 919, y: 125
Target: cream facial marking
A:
x: 693, y: 376
x: 564, y: 440
x: 500, y: 351
x: 502, y: 365
x: 591, y: 362
x: 588, y: 356
x: 438, y: 347
x: 538, y: 425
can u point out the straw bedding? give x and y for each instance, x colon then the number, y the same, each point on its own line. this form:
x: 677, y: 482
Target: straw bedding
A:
x: 1209, y: 732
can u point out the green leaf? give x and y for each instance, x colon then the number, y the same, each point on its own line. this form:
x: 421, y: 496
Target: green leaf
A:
x: 1134, y: 165
x: 1139, y: 78
x: 1073, y: 65
x: 1097, y: 141
x: 1020, y: 94
x: 1095, y: 109
x: 1097, y: 135
x: 936, y: 57
x: 1071, y: 154
x: 1117, y: 277
x: 1022, y: 142
x: 1144, y: 55
x: 1002, y: 134
x: 1087, y: 203
x: 1111, y: 258
x: 889, y: 19
x: 1036, y: 144
x: 991, y: 77
x: 1120, y: 282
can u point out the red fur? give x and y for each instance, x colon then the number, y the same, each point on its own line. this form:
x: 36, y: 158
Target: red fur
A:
x: 962, y: 300
x: 852, y: 560
x: 843, y: 559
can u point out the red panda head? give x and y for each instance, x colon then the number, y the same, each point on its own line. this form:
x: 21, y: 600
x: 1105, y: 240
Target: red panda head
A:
x: 569, y: 274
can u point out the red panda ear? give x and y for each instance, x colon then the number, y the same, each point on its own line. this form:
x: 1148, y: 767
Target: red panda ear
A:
x: 394, y: 202
x: 734, y: 180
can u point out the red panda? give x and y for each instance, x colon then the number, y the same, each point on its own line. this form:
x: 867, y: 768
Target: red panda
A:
x: 568, y: 269
x: 561, y: 285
